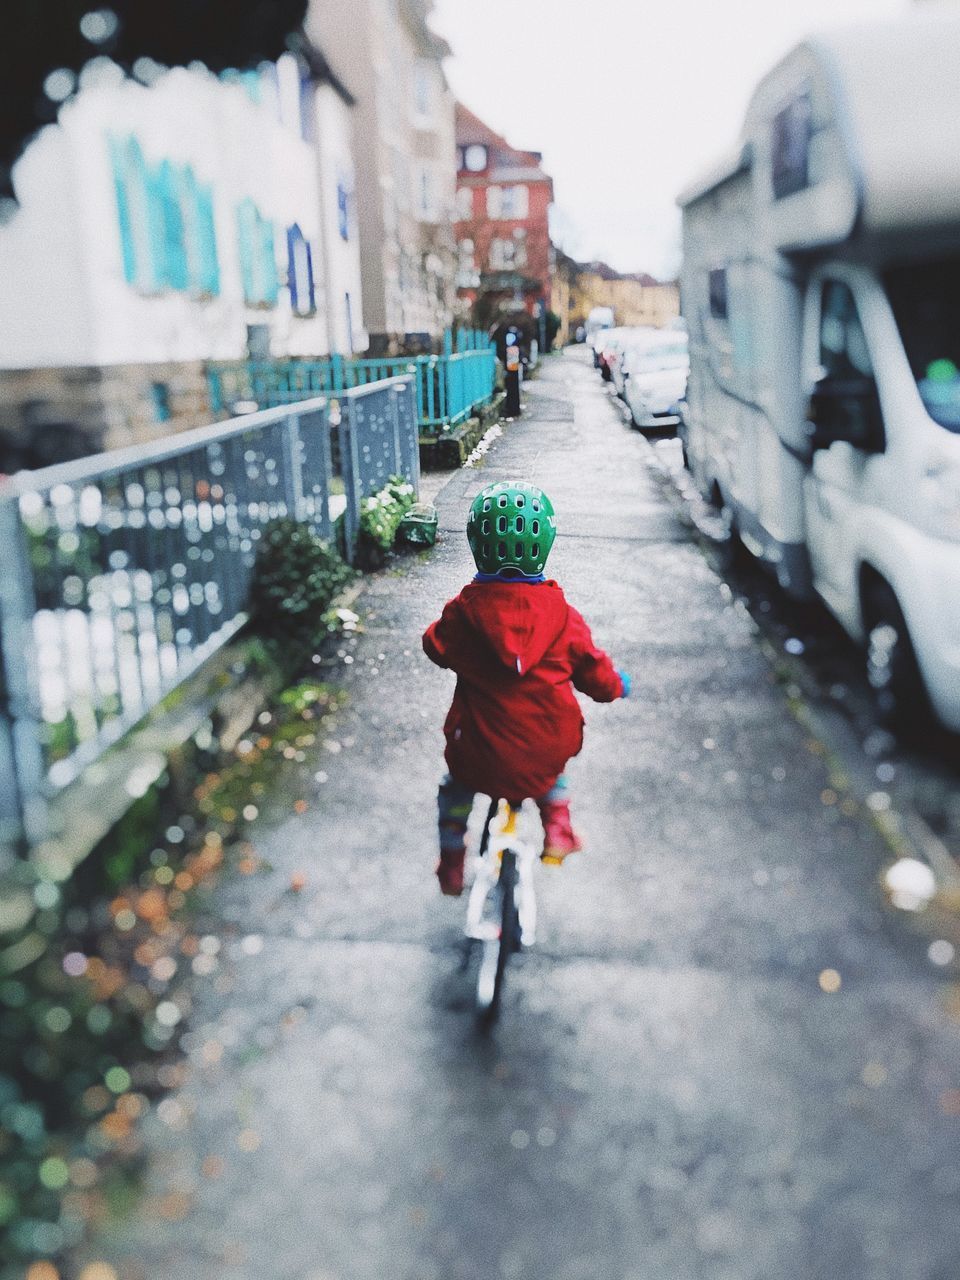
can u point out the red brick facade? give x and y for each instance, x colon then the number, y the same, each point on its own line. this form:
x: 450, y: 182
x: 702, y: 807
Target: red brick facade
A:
x: 502, y: 228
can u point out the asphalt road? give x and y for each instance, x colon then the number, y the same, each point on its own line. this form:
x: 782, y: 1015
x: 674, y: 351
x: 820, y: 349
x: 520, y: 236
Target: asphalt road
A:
x: 726, y: 1059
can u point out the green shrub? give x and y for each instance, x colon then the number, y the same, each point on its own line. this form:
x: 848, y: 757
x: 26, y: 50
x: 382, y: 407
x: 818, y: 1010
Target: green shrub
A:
x: 295, y: 578
x: 380, y: 516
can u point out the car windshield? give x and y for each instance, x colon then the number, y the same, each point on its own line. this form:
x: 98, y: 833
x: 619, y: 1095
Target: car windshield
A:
x: 926, y: 305
x: 662, y: 358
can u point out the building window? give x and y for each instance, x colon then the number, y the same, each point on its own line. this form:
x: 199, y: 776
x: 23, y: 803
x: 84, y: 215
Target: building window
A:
x: 475, y: 158
x: 717, y: 285
x: 258, y: 342
x: 502, y: 255
x: 258, y: 263
x: 300, y: 273
x: 464, y: 203
x: 426, y: 194
x: 515, y: 202
x: 166, y: 222
x: 508, y: 202
x: 520, y: 247
x: 343, y: 210
x: 790, y: 146
x: 423, y: 90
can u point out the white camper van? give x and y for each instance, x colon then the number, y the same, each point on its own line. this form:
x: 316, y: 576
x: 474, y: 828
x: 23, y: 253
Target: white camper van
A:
x: 821, y: 287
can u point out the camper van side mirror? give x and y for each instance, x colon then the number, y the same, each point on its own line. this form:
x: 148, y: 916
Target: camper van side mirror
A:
x: 846, y: 409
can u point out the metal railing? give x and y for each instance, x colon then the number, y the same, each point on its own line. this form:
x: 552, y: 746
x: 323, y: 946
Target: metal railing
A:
x: 124, y: 572
x: 448, y: 387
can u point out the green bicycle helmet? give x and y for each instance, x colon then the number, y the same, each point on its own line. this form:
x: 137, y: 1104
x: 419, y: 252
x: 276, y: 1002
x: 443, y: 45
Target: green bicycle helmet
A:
x: 511, y: 528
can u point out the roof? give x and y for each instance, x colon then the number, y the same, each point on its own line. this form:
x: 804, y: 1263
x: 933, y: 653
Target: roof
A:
x: 893, y: 89
x: 320, y: 70
x: 415, y: 14
x: 896, y: 83
x: 506, y: 162
x: 734, y: 163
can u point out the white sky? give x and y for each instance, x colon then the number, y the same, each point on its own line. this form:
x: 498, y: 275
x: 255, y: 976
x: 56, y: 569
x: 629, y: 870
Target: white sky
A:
x: 627, y: 99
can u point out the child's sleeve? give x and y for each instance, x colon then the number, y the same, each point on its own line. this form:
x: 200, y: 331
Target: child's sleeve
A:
x: 442, y: 640
x: 593, y: 672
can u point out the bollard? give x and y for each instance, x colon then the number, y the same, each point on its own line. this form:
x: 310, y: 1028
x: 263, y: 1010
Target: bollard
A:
x: 512, y: 377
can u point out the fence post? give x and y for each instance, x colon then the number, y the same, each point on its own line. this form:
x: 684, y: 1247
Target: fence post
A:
x: 350, y: 470
x: 336, y: 373
x: 317, y: 468
x: 22, y: 803
x: 293, y: 467
x: 409, y: 429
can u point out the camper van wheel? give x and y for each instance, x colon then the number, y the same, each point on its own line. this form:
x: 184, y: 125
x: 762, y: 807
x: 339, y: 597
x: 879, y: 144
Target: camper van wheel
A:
x: 892, y: 668
x: 731, y: 547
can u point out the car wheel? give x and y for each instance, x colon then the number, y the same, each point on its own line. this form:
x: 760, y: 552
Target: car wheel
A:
x: 892, y: 668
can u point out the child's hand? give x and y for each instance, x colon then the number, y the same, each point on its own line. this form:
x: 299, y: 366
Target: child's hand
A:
x: 626, y: 682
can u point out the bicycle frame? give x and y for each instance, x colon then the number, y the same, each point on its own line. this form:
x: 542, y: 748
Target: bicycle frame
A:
x: 503, y: 883
x: 498, y: 839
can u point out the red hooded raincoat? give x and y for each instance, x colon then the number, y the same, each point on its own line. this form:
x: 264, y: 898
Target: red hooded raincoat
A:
x: 519, y: 651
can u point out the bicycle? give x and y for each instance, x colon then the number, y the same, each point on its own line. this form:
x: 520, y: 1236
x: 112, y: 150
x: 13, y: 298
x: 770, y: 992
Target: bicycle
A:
x: 502, y: 906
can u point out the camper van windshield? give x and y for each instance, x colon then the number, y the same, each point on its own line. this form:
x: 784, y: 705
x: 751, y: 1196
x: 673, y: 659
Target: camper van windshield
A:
x: 926, y: 305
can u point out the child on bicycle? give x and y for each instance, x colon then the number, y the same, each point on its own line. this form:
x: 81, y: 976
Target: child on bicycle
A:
x: 519, y: 650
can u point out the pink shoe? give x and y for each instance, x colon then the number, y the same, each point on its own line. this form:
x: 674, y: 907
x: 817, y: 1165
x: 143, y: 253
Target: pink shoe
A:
x: 559, y: 837
x: 450, y: 872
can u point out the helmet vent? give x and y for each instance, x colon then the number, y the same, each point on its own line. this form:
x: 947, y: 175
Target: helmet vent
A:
x: 535, y: 504
x: 501, y: 551
x: 518, y: 550
x: 518, y: 524
x: 487, y: 504
x: 502, y: 500
x: 535, y: 551
x: 485, y: 526
x: 518, y: 500
x: 535, y: 527
x: 501, y: 524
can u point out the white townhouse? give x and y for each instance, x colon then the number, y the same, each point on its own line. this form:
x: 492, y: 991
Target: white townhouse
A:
x: 163, y: 226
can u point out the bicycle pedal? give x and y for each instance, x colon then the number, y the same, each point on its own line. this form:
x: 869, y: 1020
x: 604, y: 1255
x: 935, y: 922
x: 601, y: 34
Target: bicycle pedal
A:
x: 552, y: 859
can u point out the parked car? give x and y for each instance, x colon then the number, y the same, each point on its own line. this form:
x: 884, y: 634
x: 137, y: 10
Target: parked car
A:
x: 654, y: 374
x: 608, y: 351
x: 596, y: 341
x: 599, y: 318
x: 637, y: 336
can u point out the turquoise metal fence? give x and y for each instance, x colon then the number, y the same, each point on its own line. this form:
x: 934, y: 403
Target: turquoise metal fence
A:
x: 448, y: 387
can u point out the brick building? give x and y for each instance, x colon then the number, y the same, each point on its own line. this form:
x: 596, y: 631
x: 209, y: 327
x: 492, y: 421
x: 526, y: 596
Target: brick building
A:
x: 502, y: 227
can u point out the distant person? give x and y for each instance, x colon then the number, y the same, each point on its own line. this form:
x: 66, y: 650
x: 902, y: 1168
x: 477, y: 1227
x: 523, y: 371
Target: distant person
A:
x: 519, y: 650
x: 580, y: 334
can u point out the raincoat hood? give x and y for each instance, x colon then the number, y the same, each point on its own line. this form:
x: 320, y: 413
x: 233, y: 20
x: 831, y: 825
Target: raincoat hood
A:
x: 519, y: 621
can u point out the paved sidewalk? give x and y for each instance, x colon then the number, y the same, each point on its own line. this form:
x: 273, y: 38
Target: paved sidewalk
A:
x: 671, y: 1093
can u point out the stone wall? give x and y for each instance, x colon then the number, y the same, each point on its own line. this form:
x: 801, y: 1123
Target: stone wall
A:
x: 52, y: 415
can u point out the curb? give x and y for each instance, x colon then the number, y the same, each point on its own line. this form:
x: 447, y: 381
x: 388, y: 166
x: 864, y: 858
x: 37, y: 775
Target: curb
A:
x: 904, y: 831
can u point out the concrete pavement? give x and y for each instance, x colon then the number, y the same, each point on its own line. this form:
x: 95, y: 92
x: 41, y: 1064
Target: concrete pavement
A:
x: 724, y: 1060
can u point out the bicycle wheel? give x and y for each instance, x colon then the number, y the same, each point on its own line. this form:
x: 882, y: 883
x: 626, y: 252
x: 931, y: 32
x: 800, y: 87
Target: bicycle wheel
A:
x: 497, y: 951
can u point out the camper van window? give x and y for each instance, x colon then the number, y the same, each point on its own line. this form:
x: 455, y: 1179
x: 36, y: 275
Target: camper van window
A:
x: 925, y: 299
x: 843, y: 348
x: 790, y: 147
x: 718, y: 293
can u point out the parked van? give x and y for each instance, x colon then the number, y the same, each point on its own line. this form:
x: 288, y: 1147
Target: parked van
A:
x: 821, y: 288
